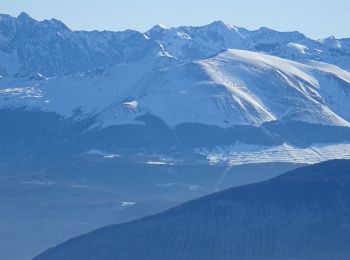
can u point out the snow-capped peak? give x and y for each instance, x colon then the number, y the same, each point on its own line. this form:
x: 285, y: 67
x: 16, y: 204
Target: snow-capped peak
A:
x: 162, y: 26
x: 331, y: 42
x: 157, y: 28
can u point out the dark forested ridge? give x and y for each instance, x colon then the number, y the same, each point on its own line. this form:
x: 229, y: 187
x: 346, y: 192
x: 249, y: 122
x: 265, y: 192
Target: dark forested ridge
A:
x: 303, y: 214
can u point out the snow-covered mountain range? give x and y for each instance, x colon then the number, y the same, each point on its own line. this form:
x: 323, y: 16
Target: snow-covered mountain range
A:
x: 51, y: 48
x: 181, y: 75
x: 132, y: 123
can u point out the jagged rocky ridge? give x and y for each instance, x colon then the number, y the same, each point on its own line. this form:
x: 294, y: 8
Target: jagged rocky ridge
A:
x: 51, y: 48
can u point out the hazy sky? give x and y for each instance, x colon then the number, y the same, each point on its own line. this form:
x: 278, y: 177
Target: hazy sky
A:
x: 315, y: 18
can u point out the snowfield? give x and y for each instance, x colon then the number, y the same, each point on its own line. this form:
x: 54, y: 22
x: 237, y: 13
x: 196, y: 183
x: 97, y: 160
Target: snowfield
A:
x: 240, y: 154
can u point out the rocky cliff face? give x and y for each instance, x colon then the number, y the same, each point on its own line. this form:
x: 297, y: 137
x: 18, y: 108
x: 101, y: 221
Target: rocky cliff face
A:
x: 50, y: 48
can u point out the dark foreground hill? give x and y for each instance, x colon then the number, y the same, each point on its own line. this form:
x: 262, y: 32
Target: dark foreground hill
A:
x: 303, y: 214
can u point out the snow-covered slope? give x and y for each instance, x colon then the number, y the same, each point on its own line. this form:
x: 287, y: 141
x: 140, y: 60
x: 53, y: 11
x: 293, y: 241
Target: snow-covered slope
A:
x: 233, y: 88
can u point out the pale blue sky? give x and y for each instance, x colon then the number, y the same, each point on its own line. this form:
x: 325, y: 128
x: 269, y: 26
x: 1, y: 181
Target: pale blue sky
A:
x: 315, y: 18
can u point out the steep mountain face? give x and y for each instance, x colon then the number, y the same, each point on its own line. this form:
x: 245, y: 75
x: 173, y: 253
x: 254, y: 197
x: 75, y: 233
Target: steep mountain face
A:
x: 301, y: 215
x: 195, y: 43
x: 190, y: 43
x: 50, y: 48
